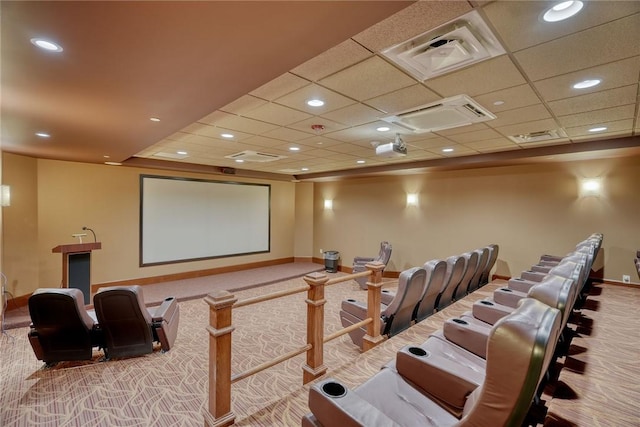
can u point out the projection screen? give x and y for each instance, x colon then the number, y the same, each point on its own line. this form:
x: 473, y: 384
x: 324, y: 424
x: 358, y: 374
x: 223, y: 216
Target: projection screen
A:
x: 183, y: 219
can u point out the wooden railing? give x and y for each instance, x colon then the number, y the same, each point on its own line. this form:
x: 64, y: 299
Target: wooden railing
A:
x: 221, y: 305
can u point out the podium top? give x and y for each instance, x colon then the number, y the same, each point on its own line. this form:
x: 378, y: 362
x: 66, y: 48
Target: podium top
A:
x: 77, y: 247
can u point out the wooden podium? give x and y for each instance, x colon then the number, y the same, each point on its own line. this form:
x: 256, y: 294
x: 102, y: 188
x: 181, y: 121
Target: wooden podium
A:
x: 76, y: 266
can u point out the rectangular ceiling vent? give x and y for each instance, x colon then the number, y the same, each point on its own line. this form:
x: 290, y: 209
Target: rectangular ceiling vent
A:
x: 173, y: 156
x: 448, y: 113
x: 456, y: 44
x: 254, y: 156
x: 540, y: 136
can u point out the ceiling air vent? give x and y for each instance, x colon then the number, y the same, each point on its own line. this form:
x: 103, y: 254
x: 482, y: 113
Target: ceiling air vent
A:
x: 543, y: 135
x: 454, y: 45
x: 254, y: 156
x: 448, y: 113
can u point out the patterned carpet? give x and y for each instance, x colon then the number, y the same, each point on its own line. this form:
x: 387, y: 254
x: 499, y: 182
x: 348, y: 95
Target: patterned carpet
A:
x: 171, y: 388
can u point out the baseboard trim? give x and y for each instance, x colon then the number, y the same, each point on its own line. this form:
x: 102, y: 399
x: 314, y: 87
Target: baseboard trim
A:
x: 618, y: 283
x: 142, y: 281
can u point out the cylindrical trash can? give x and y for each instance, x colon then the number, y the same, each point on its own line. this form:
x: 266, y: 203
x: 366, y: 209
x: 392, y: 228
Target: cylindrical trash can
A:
x: 331, y: 259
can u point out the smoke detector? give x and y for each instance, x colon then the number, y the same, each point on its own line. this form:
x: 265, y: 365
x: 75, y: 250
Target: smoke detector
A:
x: 454, y: 45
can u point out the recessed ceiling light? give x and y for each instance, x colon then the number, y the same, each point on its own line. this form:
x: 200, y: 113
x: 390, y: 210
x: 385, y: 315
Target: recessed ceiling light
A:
x: 447, y: 150
x: 498, y: 103
x: 226, y: 135
x: 106, y: 157
x: 360, y: 162
x: 46, y: 45
x: 239, y: 161
x: 182, y: 153
x: 154, y: 119
x: 562, y: 11
x: 598, y: 129
x: 43, y: 134
x: 304, y: 169
x: 383, y: 128
x: 294, y: 148
x: 587, y: 83
x: 315, y: 103
x: 113, y: 163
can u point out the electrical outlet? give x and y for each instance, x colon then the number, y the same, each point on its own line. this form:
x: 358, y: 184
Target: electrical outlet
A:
x: 321, y: 251
x: 626, y: 278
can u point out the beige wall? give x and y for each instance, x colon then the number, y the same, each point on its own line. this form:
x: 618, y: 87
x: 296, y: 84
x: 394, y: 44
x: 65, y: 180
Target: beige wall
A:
x: 71, y: 195
x: 527, y: 210
x: 303, y: 246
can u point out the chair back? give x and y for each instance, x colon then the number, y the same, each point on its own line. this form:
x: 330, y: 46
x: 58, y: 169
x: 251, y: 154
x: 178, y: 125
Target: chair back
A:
x: 472, y: 266
x: 61, y: 328
x: 493, y: 257
x: 436, y: 270
x: 399, y: 313
x: 125, y: 321
x: 456, y: 267
x: 483, y: 257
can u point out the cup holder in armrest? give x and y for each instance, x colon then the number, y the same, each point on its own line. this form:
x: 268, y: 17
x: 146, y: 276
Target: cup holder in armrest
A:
x: 506, y: 289
x: 351, y: 300
x: 385, y: 291
x: 417, y: 351
x: 520, y: 279
x: 334, y: 389
x: 169, y: 298
x: 460, y: 321
x: 486, y: 302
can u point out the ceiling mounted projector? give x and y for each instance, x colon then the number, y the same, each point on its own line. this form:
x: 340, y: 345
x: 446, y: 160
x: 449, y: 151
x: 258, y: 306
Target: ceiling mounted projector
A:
x: 392, y: 149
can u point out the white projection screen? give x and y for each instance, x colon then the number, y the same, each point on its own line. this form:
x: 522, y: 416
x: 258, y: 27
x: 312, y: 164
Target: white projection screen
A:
x: 183, y: 219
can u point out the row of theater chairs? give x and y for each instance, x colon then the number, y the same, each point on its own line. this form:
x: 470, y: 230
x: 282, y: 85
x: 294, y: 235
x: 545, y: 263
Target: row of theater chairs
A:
x: 424, y: 290
x: 637, y: 262
x: 121, y: 325
x: 471, y: 372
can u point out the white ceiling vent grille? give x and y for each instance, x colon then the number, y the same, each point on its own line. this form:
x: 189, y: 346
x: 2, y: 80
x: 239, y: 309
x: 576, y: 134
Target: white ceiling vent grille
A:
x: 454, y: 45
x: 540, y: 136
x: 173, y: 156
x: 448, y: 113
x: 254, y: 156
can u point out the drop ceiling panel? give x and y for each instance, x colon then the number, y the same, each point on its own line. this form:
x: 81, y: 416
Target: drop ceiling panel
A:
x: 354, y: 115
x: 403, y: 99
x: 243, y: 105
x: 484, y: 77
x: 368, y: 79
x: 510, y: 17
x: 432, y: 143
x: 616, y: 126
x: 599, y: 117
x: 298, y: 99
x: 277, y: 114
x: 329, y: 126
x: 595, y: 101
x: 513, y: 97
x: 519, y: 115
x: 466, y: 137
x: 238, y: 123
x: 279, y: 86
x: 335, y: 59
x: 612, y: 75
x: 599, y: 45
x: 492, y: 144
x: 287, y: 134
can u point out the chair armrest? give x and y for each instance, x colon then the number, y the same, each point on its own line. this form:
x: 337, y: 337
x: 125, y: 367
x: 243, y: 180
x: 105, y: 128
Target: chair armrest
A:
x: 521, y: 285
x: 467, y: 335
x: 166, y: 318
x: 165, y: 311
x: 387, y: 296
x: 532, y: 276
x: 489, y: 311
x: 34, y: 340
x: 355, y: 308
x: 362, y: 259
x: 332, y: 404
x: 438, y: 376
x: 540, y: 268
x: 508, y: 297
x: 551, y: 258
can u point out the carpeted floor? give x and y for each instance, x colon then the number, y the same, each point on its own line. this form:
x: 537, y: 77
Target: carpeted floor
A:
x: 171, y: 388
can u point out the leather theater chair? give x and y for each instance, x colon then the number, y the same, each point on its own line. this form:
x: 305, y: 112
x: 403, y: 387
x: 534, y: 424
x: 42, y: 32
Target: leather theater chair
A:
x: 129, y: 328
x: 436, y: 272
x: 493, y: 257
x: 61, y: 328
x: 359, y: 262
x: 483, y: 258
x: 428, y: 388
x: 472, y: 266
x: 456, y: 267
x: 397, y: 316
x: 637, y: 262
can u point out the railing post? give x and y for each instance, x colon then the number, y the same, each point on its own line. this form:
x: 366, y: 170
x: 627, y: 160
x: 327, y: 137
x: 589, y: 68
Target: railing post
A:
x: 219, y: 413
x: 374, y: 296
x: 315, y: 327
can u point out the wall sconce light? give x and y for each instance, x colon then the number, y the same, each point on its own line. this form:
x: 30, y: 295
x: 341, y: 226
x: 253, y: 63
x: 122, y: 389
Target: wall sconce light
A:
x: 5, y: 195
x: 590, y: 187
x: 328, y: 204
x: 412, y: 199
